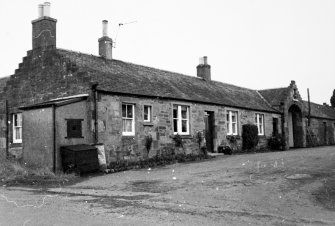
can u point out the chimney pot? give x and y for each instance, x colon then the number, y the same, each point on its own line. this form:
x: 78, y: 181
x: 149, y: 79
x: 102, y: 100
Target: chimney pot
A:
x: 46, y: 9
x: 205, y: 59
x: 105, y: 42
x: 204, y: 69
x: 40, y: 10
x: 105, y: 28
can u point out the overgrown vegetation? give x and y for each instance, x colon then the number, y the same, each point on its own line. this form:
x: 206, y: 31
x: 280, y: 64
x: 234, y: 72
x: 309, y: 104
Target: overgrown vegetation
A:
x: 199, y: 139
x: 16, y: 173
x: 332, y: 99
x: 178, y: 141
x: 276, y: 142
x: 158, y: 160
x: 148, y: 143
x: 250, y: 137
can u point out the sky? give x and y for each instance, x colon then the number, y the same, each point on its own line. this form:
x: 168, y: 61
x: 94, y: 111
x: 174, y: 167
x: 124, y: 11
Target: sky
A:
x: 258, y: 44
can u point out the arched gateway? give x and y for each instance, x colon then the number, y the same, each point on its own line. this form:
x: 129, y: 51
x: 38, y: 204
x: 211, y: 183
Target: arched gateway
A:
x: 295, y: 127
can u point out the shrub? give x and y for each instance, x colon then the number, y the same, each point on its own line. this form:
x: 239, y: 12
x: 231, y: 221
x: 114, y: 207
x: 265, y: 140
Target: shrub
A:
x: 225, y: 150
x: 276, y: 142
x: 178, y: 141
x: 249, y: 136
x: 148, y: 142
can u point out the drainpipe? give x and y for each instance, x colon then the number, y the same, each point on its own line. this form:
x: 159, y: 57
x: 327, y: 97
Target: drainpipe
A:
x: 54, y: 137
x: 309, y: 108
x: 95, y: 112
x: 7, y: 129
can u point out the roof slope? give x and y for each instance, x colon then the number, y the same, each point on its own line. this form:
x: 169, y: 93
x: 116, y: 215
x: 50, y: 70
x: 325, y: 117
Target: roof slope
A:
x: 320, y: 111
x: 274, y: 96
x: 122, y: 77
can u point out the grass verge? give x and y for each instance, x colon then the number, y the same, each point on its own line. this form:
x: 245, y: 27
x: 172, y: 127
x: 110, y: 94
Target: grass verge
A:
x: 13, y: 173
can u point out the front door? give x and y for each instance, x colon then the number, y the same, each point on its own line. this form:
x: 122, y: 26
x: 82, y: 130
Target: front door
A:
x: 209, y: 130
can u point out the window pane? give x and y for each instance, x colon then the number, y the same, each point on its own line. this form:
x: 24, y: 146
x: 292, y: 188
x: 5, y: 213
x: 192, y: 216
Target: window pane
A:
x: 184, y: 126
x: 175, y: 112
x: 228, y: 128
x: 228, y: 116
x: 15, y: 120
x: 146, y: 113
x: 19, y: 119
x: 233, y: 118
x: 256, y: 118
x: 18, y: 133
x: 127, y: 125
x: 175, y: 125
x: 129, y: 111
x: 234, y: 128
x: 124, y: 110
x: 183, y: 112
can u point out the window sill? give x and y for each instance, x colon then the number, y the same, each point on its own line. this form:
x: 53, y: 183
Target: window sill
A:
x: 128, y: 135
x: 73, y: 137
x: 14, y: 145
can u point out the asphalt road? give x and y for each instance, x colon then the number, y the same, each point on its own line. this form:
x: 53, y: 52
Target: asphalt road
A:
x: 280, y: 188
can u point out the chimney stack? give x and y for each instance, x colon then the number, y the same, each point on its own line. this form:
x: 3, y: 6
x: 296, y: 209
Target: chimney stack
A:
x: 105, y: 42
x: 44, y: 28
x: 204, y: 69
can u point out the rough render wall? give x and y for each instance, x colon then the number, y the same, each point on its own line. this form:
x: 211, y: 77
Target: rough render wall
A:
x: 38, y: 137
x: 317, y: 128
x: 119, y: 147
x: 79, y: 110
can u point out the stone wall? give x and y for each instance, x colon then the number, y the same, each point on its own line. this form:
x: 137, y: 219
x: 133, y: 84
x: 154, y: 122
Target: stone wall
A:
x: 322, y: 132
x: 132, y: 148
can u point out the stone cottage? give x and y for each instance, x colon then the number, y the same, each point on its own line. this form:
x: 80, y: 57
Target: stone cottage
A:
x: 123, y: 103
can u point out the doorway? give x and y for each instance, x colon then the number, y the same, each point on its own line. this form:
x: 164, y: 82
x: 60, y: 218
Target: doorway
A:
x: 295, y: 127
x: 325, y: 133
x: 209, y: 130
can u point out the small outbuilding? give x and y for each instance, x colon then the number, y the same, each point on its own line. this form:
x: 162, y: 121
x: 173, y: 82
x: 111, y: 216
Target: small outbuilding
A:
x: 50, y: 125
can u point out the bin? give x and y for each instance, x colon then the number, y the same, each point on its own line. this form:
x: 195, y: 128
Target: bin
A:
x: 81, y: 158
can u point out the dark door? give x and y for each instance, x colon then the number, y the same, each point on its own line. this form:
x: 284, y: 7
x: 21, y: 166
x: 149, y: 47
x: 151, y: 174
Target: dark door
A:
x: 209, y: 130
x: 275, y: 126
x: 325, y: 132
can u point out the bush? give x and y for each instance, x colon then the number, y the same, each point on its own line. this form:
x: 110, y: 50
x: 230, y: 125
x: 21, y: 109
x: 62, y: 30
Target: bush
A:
x: 249, y: 136
x: 178, y: 141
x: 225, y: 150
x: 276, y: 142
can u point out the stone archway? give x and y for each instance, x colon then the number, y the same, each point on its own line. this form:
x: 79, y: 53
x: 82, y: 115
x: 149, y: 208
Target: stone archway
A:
x: 295, y: 127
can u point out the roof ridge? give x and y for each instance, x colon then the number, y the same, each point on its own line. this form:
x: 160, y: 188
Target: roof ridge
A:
x: 274, y: 88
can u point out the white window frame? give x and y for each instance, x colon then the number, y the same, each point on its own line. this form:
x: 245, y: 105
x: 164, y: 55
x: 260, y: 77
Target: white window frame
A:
x: 259, y: 120
x: 230, y: 123
x: 180, y: 119
x: 17, y: 125
x: 132, y: 132
x: 149, y: 113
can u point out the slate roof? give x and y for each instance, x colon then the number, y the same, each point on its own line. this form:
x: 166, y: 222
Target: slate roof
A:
x: 320, y: 111
x: 128, y: 78
x: 275, y: 96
